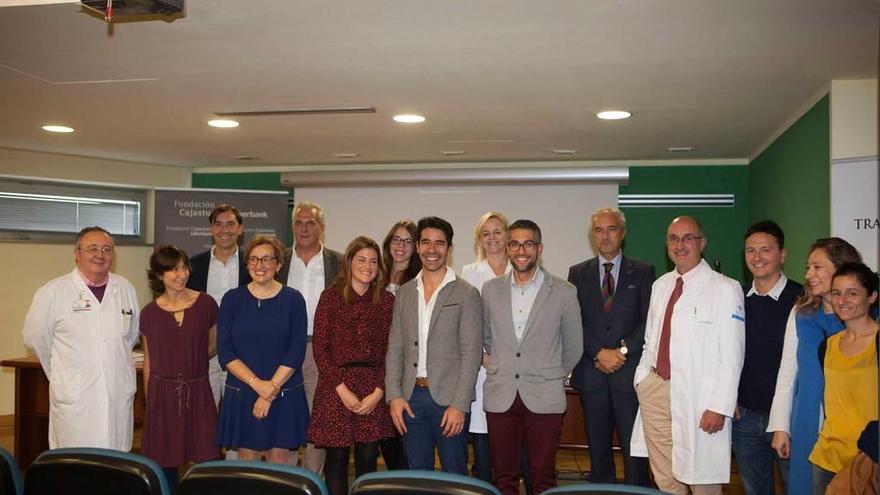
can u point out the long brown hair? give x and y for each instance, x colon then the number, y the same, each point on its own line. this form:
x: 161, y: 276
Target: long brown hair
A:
x: 415, y: 263
x: 839, y: 252
x: 343, y: 280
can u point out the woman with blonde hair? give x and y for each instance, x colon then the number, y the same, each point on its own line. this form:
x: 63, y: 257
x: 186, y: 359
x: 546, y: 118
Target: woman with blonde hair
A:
x: 490, y: 246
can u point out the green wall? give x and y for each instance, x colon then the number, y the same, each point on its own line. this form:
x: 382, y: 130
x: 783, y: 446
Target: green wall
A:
x: 790, y: 183
x: 724, y: 226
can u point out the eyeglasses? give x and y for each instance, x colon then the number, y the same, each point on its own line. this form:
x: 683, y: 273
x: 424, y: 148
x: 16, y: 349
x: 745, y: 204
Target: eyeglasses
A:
x: 265, y: 260
x: 94, y: 250
x: 687, y: 238
x: 400, y: 240
x: 528, y: 245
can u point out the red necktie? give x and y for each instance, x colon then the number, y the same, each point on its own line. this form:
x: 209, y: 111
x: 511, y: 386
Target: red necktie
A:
x: 608, y: 287
x: 662, y: 366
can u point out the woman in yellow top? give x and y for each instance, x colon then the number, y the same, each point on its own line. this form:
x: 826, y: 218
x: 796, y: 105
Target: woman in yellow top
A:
x: 850, y: 366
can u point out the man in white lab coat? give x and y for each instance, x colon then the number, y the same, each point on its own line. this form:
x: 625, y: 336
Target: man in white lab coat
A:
x: 82, y: 326
x: 689, y: 372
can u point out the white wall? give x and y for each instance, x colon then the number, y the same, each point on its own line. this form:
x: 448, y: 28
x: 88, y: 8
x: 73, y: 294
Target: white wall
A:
x: 24, y: 267
x: 853, y: 118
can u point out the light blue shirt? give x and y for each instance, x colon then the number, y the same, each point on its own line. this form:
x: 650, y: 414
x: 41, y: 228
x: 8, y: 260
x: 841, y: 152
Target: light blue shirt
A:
x: 615, y: 270
x: 522, y: 299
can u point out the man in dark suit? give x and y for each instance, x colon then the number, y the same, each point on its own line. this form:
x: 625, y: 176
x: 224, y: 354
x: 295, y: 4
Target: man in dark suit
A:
x: 614, y: 292
x: 434, y: 351
x: 219, y: 269
x: 312, y: 270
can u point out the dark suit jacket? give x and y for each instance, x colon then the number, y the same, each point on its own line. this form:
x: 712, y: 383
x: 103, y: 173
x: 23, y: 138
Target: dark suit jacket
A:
x: 626, y: 320
x: 332, y: 260
x: 198, y: 275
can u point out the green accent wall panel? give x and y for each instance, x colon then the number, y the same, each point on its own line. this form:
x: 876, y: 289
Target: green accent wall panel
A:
x: 263, y: 181
x: 723, y: 226
x: 790, y: 183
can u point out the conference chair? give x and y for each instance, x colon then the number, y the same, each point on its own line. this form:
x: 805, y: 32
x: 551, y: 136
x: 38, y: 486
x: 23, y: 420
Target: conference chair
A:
x: 91, y: 471
x: 419, y: 483
x: 601, y: 489
x: 241, y: 477
x: 10, y: 476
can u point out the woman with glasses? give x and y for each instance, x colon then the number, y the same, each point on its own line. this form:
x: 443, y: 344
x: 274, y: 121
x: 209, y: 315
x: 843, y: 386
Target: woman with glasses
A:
x: 352, y: 322
x: 397, y: 254
x: 849, y: 360
x: 179, y: 335
x: 795, y: 416
x: 490, y: 246
x: 261, y: 341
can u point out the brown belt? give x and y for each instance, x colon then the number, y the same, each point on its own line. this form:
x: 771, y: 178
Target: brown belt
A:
x: 421, y: 382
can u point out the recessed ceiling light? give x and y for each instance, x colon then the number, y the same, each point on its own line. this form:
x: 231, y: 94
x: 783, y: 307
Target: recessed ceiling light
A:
x: 57, y: 128
x: 613, y: 115
x: 407, y: 118
x: 223, y: 123
x: 680, y: 149
x: 564, y: 152
x: 452, y: 152
x: 345, y: 155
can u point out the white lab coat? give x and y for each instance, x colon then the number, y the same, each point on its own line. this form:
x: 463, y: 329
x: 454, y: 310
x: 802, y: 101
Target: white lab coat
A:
x: 84, y: 346
x: 477, y: 274
x: 706, y: 351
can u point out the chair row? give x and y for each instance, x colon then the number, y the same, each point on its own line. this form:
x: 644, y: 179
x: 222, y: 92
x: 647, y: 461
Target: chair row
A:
x: 105, y: 472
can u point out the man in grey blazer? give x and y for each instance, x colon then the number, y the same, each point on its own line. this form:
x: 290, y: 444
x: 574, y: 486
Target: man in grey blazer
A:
x: 532, y: 333
x: 434, y: 352
x: 312, y: 270
x: 614, y: 292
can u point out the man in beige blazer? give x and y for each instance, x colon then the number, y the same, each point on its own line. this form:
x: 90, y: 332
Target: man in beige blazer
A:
x: 434, y: 351
x: 532, y: 332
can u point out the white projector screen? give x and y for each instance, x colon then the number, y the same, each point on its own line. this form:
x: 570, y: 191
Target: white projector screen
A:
x: 562, y: 211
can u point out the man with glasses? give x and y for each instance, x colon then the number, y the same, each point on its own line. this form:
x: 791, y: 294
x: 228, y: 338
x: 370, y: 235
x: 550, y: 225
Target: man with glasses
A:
x: 434, y: 352
x: 532, y: 333
x: 217, y: 270
x: 312, y: 270
x: 613, y: 291
x: 82, y: 327
x: 689, y: 372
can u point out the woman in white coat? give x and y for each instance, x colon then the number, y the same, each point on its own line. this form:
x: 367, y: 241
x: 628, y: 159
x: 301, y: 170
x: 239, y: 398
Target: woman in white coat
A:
x: 82, y: 327
x: 490, y: 246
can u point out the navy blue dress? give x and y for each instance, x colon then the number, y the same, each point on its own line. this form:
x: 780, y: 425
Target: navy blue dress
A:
x: 263, y: 334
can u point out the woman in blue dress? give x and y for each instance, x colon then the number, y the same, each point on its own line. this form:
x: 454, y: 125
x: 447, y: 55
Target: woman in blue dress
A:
x: 796, y: 414
x: 261, y: 341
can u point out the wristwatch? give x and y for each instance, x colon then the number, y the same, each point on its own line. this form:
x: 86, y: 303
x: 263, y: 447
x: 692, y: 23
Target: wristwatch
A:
x: 623, y: 349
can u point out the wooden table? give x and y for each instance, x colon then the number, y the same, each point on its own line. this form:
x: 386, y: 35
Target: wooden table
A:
x: 32, y: 408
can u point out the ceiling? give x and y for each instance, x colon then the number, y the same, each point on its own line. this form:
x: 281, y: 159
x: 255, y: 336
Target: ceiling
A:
x: 500, y: 80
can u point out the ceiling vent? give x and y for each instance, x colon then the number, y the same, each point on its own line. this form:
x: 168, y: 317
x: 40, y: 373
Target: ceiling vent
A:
x: 134, y: 7
x: 299, y: 111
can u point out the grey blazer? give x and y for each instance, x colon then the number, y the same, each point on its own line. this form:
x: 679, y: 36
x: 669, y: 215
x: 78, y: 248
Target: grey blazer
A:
x: 332, y: 260
x: 551, y: 346
x: 455, y: 347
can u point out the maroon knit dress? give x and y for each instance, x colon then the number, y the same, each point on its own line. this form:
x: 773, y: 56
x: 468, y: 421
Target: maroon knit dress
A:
x: 349, y: 344
x: 181, y: 416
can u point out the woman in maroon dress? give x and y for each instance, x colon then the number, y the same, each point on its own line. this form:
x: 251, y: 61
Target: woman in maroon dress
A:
x: 179, y: 336
x: 351, y: 336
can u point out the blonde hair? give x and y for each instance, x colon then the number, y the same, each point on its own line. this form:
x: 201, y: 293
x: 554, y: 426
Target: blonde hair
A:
x: 478, y: 245
x: 839, y: 252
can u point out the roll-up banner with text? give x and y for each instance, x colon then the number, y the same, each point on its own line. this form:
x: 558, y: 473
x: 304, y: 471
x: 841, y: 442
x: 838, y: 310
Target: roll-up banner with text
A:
x: 854, y: 206
x: 182, y: 215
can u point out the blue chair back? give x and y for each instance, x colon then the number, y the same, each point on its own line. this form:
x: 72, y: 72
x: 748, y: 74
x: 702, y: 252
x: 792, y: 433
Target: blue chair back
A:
x: 240, y: 477
x: 420, y: 483
x: 601, y: 489
x: 94, y: 471
x: 10, y: 476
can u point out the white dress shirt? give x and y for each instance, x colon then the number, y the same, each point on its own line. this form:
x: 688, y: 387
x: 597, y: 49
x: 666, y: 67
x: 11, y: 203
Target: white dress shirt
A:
x: 309, y: 280
x: 426, y: 309
x: 222, y: 276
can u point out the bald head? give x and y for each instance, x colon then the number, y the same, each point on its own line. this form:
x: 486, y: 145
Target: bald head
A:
x: 685, y: 243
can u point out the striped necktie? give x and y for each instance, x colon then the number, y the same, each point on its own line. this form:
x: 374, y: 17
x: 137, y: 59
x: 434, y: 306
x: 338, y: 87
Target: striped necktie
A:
x: 608, y: 287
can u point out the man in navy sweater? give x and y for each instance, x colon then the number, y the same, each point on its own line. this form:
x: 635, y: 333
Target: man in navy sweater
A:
x: 768, y: 304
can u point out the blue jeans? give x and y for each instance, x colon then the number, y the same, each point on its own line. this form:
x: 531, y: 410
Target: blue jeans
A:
x: 754, y: 455
x: 821, y: 479
x: 423, y: 433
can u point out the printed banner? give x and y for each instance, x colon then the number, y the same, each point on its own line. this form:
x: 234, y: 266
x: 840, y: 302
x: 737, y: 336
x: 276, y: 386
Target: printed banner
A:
x: 854, y: 207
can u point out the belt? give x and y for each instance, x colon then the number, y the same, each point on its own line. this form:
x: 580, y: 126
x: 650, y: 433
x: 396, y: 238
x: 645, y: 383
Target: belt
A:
x: 308, y: 338
x: 422, y: 381
x: 182, y: 390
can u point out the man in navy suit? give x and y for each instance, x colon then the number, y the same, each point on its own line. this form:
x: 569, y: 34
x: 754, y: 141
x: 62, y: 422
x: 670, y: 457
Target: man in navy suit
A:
x: 219, y: 269
x: 613, y: 292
